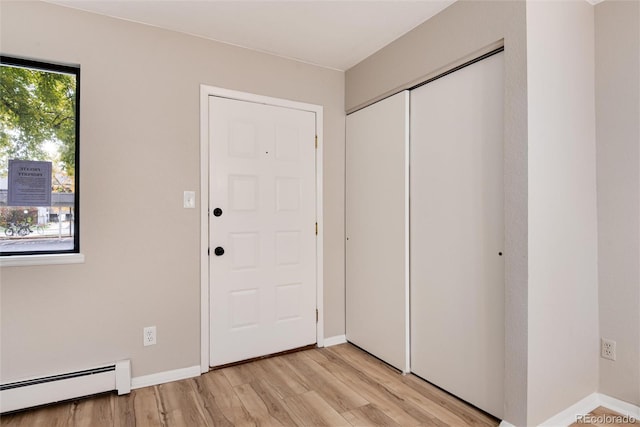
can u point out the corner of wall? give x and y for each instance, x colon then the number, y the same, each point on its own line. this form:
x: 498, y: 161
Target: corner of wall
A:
x: 617, y: 67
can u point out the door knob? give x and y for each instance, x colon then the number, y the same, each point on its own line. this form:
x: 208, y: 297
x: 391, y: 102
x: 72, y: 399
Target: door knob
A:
x: 217, y: 212
x: 218, y: 251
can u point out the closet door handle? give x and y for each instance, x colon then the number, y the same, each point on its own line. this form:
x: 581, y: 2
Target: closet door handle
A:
x: 219, y: 251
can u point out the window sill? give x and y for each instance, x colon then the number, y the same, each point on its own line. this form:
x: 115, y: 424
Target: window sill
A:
x: 48, y: 259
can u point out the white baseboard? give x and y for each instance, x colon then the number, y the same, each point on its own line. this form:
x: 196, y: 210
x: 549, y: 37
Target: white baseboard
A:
x: 338, y: 339
x: 165, y: 377
x: 505, y: 424
x: 620, y: 406
x: 569, y: 415
x: 588, y: 404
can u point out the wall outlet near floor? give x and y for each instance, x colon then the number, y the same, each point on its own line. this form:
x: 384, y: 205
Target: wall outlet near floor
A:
x: 607, y: 349
x: 149, y: 335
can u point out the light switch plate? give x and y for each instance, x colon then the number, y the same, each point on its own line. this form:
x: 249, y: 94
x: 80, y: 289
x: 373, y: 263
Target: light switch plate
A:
x: 190, y: 199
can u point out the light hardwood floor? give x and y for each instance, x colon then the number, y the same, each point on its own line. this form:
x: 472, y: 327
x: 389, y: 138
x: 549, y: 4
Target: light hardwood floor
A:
x: 336, y: 386
x: 605, y: 417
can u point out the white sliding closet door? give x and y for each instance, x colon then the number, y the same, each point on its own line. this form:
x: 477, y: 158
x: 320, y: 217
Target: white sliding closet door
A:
x: 376, y: 230
x: 457, y: 233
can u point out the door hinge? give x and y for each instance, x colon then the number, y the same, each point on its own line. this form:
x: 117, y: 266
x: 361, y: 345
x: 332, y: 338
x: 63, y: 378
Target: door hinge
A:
x: 316, y: 228
x: 316, y: 141
x: 208, y: 251
x: 317, y: 315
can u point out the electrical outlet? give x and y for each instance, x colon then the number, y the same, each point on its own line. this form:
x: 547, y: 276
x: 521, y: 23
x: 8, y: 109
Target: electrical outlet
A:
x: 607, y: 349
x: 149, y: 335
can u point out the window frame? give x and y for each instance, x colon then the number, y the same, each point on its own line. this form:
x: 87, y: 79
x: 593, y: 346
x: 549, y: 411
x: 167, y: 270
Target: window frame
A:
x: 64, y: 256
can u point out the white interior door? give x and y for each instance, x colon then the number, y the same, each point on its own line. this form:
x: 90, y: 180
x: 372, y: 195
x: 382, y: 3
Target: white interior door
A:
x: 457, y: 233
x: 262, y: 179
x: 377, y: 284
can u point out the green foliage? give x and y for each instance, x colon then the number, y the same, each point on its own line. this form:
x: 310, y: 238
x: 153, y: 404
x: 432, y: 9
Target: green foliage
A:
x: 9, y: 215
x: 35, y: 107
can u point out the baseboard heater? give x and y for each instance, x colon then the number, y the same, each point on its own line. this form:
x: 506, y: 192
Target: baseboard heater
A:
x: 55, y: 388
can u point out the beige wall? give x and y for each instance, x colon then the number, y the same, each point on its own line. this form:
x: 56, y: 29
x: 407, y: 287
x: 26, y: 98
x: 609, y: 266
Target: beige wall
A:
x: 617, y: 35
x: 563, y: 276
x: 139, y: 150
x: 458, y: 33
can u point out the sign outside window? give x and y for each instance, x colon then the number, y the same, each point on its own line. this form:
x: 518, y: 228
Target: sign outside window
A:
x: 29, y: 183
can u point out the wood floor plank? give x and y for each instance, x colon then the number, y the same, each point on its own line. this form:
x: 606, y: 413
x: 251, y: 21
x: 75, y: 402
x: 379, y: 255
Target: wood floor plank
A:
x: 369, y: 415
x: 274, y: 404
x: 180, y: 405
x: 314, y: 411
x: 94, y: 412
x: 123, y: 409
x: 395, y: 406
x: 281, y: 379
x: 213, y: 413
x: 226, y: 399
x: 58, y: 415
x: 243, y: 373
x: 340, y: 396
x: 146, y: 409
x: 55, y: 416
x: 255, y: 406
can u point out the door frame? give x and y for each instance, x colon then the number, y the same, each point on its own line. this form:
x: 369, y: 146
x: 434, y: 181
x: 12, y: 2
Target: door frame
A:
x: 205, y: 92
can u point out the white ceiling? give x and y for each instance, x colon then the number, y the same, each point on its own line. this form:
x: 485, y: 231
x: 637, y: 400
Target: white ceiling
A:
x: 332, y: 33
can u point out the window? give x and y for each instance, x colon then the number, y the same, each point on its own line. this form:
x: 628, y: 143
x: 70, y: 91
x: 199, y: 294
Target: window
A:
x: 39, y: 135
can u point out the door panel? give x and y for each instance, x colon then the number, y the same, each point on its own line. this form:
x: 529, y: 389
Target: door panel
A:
x: 262, y: 177
x: 457, y: 233
x: 376, y: 230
